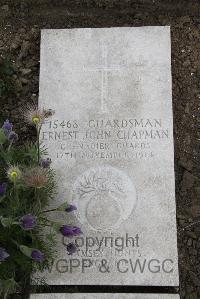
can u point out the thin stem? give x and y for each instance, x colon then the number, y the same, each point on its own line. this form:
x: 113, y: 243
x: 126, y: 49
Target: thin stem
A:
x: 5, y: 295
x: 38, y: 144
x: 15, y: 242
x: 47, y: 225
x: 16, y: 193
x: 47, y: 211
x: 38, y: 199
x: 45, y: 219
x: 10, y: 145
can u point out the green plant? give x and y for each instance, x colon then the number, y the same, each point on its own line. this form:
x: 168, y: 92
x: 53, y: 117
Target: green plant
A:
x: 27, y: 184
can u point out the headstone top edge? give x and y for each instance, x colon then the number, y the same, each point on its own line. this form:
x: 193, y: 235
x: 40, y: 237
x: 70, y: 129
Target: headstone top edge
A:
x: 164, y: 28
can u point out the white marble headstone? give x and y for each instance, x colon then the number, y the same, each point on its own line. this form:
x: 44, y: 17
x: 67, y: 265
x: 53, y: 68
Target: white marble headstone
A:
x: 111, y: 143
x: 104, y: 296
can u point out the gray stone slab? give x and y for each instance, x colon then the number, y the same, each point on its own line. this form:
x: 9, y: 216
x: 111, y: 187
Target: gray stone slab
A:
x: 104, y: 296
x: 111, y: 143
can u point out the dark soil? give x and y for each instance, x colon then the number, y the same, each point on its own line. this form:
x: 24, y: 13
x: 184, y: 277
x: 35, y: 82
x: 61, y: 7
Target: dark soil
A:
x: 20, y: 24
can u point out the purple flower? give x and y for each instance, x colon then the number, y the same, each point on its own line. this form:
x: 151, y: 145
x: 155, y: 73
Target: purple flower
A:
x: 71, y: 208
x: 37, y: 256
x: 3, y: 254
x: 77, y: 231
x: 67, y: 231
x: 28, y: 222
x: 2, y: 189
x: 12, y: 137
x: 7, y: 127
x: 45, y: 163
x: 70, y: 231
x: 71, y: 248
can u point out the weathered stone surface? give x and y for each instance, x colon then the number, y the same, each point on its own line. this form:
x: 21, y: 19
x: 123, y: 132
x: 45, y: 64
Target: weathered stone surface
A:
x: 111, y: 142
x: 104, y: 296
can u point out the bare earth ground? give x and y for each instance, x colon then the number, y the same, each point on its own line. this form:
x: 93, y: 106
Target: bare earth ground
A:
x: 20, y: 24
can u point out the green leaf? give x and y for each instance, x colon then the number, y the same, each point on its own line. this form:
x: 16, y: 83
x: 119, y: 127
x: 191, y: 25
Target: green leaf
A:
x: 3, y: 137
x: 6, y: 222
x: 2, y: 198
x: 56, y: 226
x: 9, y: 286
x: 62, y: 207
x: 26, y: 250
x: 50, y: 237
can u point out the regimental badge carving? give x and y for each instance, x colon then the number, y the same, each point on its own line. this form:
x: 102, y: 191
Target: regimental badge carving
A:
x: 105, y: 197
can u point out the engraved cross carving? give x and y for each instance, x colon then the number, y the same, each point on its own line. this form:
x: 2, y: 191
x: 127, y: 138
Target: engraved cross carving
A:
x: 105, y: 68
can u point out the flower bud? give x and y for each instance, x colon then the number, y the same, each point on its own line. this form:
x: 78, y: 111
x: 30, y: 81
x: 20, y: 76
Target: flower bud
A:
x: 71, y: 248
x: 7, y: 127
x: 37, y: 256
x: 70, y: 231
x: 3, y: 254
x: 2, y: 189
x: 28, y: 222
x: 45, y: 163
x: 12, y: 137
x: 70, y: 208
